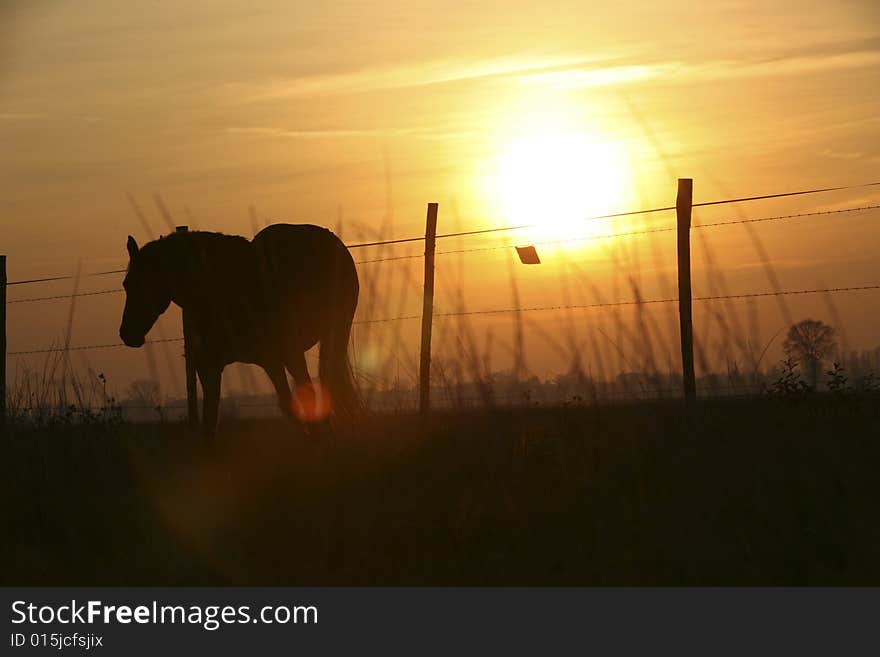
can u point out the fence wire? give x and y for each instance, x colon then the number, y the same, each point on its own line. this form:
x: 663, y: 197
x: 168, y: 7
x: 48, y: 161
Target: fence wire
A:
x: 495, y: 311
x: 484, y: 231
x: 717, y: 224
x: 649, y: 231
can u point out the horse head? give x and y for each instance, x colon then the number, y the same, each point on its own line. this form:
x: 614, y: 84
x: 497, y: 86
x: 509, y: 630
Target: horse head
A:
x: 147, y: 293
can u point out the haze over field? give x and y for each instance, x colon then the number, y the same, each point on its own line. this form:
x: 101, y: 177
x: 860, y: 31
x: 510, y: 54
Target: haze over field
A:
x: 357, y: 114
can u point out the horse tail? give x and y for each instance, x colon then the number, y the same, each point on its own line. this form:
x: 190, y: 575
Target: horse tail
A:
x: 336, y: 372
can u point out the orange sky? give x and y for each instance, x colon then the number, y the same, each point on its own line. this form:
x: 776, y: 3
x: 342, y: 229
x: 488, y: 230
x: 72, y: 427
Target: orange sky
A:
x: 363, y: 112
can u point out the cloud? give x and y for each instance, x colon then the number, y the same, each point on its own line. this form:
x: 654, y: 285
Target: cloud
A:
x: 594, y: 77
x: 729, y: 69
x: 33, y: 116
x: 812, y: 61
x: 417, y: 133
x: 571, y: 71
x: 843, y: 155
x: 19, y: 116
x: 396, y: 77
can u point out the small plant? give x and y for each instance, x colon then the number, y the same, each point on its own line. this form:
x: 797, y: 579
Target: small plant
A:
x: 789, y: 382
x: 838, y: 383
x: 869, y: 383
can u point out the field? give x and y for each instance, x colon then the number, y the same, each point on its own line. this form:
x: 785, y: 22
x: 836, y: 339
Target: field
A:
x: 738, y: 491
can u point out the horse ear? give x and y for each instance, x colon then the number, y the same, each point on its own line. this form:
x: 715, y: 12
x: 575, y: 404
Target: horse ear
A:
x: 132, y: 247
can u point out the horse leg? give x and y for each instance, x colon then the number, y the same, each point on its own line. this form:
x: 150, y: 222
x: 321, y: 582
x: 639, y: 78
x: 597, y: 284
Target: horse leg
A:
x: 296, y: 365
x: 304, y: 393
x: 210, y: 378
x: 334, y: 368
x: 282, y: 389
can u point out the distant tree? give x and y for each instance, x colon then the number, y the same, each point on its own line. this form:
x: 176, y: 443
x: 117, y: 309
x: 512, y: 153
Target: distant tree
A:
x: 810, y: 342
x: 144, y: 392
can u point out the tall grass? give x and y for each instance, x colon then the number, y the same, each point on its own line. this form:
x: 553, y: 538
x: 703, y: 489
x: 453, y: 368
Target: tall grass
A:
x: 772, y: 491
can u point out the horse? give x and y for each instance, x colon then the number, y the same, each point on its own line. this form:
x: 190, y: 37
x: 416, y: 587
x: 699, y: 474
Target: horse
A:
x: 264, y: 301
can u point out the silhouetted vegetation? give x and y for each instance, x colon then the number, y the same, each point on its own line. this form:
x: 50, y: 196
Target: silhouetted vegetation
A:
x: 739, y: 492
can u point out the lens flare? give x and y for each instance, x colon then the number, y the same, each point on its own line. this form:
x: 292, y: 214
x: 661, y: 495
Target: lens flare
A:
x: 312, y: 402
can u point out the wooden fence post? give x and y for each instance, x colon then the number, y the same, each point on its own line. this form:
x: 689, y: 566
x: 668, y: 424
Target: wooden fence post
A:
x: 427, y: 312
x: 683, y: 204
x: 2, y: 340
x: 192, y: 392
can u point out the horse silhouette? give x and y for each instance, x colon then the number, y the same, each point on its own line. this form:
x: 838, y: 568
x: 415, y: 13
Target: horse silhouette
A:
x: 264, y: 301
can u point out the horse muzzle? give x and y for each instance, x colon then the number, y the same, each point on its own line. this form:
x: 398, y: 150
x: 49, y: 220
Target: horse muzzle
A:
x: 130, y: 340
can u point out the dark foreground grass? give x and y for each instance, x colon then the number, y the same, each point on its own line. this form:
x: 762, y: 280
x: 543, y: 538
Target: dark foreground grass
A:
x: 740, y: 492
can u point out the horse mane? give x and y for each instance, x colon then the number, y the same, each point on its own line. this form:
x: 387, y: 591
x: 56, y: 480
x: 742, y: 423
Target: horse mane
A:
x: 178, y: 253
x: 212, y: 244
x: 204, y: 238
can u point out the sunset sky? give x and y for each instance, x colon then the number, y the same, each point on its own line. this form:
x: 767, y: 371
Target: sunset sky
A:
x: 357, y: 114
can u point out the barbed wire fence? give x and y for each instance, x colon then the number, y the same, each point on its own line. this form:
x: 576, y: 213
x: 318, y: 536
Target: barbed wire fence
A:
x: 683, y: 209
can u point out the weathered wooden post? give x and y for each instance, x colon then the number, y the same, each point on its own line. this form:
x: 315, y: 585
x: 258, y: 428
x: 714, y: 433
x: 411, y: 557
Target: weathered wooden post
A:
x: 2, y: 340
x: 683, y: 204
x: 192, y: 392
x: 427, y: 312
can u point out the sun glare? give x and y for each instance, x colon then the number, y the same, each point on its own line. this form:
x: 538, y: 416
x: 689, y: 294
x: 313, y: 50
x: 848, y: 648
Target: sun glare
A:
x: 558, y: 181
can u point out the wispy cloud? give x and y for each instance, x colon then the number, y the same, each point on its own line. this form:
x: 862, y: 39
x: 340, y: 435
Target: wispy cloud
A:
x: 409, y: 75
x: 33, y: 116
x: 417, y: 133
x: 728, y: 69
x: 843, y: 155
x: 19, y: 116
x: 571, y: 71
x: 813, y: 61
x: 594, y: 77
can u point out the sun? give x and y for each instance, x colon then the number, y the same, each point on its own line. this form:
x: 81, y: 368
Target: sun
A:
x: 557, y: 181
